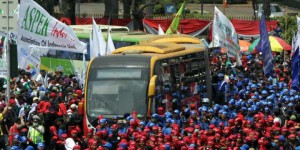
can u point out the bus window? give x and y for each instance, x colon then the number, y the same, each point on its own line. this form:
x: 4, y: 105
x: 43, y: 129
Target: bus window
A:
x: 119, y: 44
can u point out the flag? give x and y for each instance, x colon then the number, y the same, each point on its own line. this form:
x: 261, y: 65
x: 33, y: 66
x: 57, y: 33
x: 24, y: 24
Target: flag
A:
x: 298, y: 23
x: 160, y: 30
x: 29, y: 59
x: 37, y: 28
x: 99, y: 45
x: 295, y: 70
x: 264, y: 47
x: 110, y: 43
x: 175, y: 23
x: 225, y: 36
x: 17, y: 10
x: 2, y: 12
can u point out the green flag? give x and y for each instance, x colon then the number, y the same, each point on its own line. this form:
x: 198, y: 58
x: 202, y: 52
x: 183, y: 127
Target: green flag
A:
x: 2, y: 12
x: 175, y: 23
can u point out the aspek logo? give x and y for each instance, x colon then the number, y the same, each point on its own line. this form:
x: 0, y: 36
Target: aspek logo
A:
x: 35, y: 21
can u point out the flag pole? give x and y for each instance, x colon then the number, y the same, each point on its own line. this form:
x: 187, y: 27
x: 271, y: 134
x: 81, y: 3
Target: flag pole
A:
x: 8, y: 55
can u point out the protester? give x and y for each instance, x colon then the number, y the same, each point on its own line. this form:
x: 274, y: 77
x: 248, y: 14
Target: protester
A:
x: 248, y: 111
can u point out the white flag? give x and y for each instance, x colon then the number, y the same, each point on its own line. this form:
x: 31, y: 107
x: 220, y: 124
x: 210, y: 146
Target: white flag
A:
x: 224, y: 34
x: 93, y: 52
x: 110, y: 43
x: 99, y: 45
x: 160, y: 30
x: 297, y: 39
x: 29, y: 60
x: 37, y: 28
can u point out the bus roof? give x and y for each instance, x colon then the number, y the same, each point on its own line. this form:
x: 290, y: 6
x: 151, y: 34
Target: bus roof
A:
x: 175, y: 38
x: 160, y: 50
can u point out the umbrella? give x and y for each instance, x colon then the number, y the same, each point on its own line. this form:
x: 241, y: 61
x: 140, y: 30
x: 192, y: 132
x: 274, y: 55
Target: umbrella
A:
x: 244, y: 46
x: 277, y: 44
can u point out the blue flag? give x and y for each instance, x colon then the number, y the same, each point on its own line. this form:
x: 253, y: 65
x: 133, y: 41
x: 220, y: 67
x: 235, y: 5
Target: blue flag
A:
x: 264, y: 47
x: 295, y: 70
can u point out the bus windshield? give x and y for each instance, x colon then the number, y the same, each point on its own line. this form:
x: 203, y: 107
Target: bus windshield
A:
x: 116, y: 91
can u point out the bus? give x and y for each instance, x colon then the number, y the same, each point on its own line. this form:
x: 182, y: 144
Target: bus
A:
x: 121, y: 37
x: 141, y: 78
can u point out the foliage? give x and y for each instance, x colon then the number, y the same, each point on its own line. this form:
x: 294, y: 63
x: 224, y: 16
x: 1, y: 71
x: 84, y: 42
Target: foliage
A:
x: 288, y: 23
x: 48, y: 5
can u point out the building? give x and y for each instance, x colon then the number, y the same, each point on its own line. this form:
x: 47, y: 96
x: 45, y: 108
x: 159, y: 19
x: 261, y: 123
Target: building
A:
x: 8, y: 15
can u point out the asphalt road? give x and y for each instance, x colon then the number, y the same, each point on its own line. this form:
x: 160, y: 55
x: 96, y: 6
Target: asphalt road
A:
x: 239, y: 10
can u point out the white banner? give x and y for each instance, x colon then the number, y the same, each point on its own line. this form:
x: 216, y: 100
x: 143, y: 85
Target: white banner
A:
x: 29, y: 60
x: 224, y: 33
x: 37, y: 28
x: 3, y: 60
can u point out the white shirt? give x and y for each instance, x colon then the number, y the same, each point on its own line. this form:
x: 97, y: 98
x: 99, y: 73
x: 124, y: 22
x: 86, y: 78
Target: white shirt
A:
x: 69, y: 144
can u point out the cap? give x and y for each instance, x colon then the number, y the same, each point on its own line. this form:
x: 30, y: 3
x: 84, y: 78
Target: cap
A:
x: 12, y: 101
x: 77, y: 147
x: 220, y: 75
x: 74, y: 132
x: 35, y: 98
x: 40, y: 145
x: 73, y: 106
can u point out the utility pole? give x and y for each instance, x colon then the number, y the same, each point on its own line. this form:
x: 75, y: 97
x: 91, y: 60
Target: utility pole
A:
x: 224, y: 6
x: 7, y: 54
x: 202, y: 3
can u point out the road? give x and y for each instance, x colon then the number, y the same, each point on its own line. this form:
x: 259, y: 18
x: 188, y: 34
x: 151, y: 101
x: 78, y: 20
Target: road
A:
x: 239, y: 10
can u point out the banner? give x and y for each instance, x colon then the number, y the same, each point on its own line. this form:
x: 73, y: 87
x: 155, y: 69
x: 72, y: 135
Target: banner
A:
x: 3, y: 59
x: 224, y: 34
x: 29, y: 59
x: 99, y: 44
x: 37, y: 28
x: 175, y: 23
x: 264, y: 47
x: 160, y: 30
x: 110, y: 44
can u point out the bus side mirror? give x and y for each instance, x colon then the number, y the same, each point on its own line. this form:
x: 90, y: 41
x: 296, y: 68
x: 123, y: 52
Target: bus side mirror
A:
x: 151, y: 88
x: 80, y: 108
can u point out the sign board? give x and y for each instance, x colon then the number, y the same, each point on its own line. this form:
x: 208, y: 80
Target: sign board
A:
x: 170, y: 9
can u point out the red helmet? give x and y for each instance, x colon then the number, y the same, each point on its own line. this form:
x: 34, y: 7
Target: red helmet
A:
x: 189, y: 129
x: 292, y: 136
x: 231, y: 122
x: 155, y: 128
x: 212, y: 126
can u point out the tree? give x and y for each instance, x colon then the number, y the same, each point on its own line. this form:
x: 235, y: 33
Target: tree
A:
x: 266, y: 8
x: 111, y: 8
x: 68, y: 9
x: 48, y: 5
x: 288, y: 25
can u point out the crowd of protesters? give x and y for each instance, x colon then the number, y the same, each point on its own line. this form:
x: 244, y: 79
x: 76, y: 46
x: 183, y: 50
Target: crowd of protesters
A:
x: 248, y: 111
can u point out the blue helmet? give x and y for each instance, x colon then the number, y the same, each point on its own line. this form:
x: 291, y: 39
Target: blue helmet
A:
x: 176, y: 111
x: 264, y: 92
x: 231, y: 102
x: 107, y: 145
x: 23, y: 139
x: 40, y: 145
x: 15, y: 148
x: 142, y: 123
x: 29, y: 148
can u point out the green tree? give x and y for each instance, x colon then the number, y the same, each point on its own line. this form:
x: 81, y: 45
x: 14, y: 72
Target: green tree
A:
x: 266, y: 8
x: 288, y: 25
x: 67, y: 9
x: 48, y: 5
x: 111, y: 8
